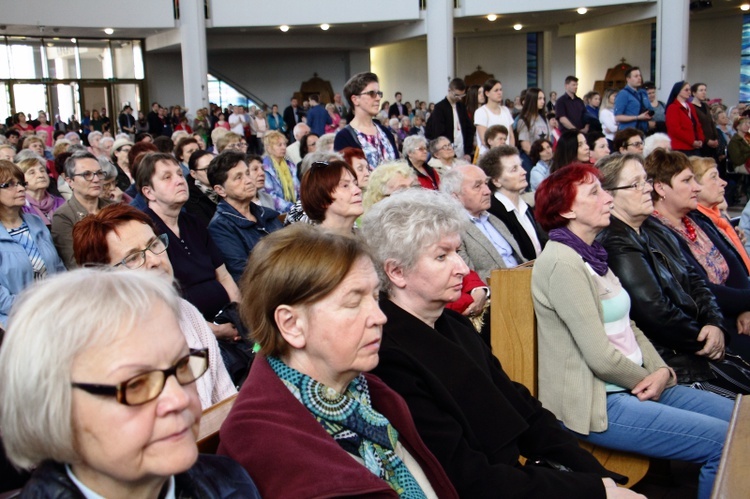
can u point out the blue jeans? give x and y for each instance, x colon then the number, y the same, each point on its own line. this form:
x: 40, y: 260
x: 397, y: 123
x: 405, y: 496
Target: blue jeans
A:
x: 684, y: 424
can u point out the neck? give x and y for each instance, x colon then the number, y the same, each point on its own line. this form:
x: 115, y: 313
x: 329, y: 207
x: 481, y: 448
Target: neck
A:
x: 571, y: 94
x: 91, y: 204
x: 493, y: 105
x: 362, y: 122
x: 429, y: 314
x: 338, y: 223
x: 108, y: 487
x: 298, y: 360
x: 168, y: 214
x: 633, y: 223
x: 587, y: 234
x: 37, y: 194
x: 10, y: 216
x: 243, y: 207
x: 514, y: 196
x: 672, y: 215
x: 447, y: 162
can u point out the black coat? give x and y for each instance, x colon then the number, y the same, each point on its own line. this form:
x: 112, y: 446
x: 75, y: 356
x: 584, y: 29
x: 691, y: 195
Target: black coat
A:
x: 440, y: 124
x: 514, y: 226
x: 473, y: 418
x: 211, y: 477
x: 198, y: 204
x: 670, y: 301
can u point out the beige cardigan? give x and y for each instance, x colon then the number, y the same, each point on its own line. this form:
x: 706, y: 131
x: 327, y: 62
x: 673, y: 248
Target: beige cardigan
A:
x: 575, y: 355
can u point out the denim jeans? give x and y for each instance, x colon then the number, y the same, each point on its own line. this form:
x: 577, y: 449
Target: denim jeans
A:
x: 684, y: 424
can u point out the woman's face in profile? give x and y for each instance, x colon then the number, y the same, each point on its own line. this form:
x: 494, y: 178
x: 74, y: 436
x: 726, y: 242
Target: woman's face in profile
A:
x: 135, y: 443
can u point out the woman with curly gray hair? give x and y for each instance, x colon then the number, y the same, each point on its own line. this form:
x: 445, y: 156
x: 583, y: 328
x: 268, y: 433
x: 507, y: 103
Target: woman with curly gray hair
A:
x: 415, y: 152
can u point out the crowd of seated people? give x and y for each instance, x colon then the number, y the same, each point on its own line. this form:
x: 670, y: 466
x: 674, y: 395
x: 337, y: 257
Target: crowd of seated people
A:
x: 335, y: 276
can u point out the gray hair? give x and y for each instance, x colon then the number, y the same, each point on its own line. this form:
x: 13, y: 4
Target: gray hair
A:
x: 106, y: 139
x: 394, y: 122
x: 435, y: 142
x: 107, y: 167
x: 26, y: 154
x: 95, y: 133
x: 400, y: 227
x: 377, y: 186
x: 611, y: 167
x: 318, y: 156
x: 411, y: 143
x: 300, y: 130
x: 70, y: 163
x: 72, y: 135
x: 452, y: 181
x: 47, y: 332
x: 652, y: 142
x: 325, y: 142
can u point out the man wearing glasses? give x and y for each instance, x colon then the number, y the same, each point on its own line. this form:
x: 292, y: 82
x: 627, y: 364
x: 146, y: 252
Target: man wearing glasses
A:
x: 450, y: 119
x: 86, y: 179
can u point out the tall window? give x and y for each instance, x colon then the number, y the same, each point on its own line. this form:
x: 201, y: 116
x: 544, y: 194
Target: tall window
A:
x: 222, y: 94
x: 745, y: 60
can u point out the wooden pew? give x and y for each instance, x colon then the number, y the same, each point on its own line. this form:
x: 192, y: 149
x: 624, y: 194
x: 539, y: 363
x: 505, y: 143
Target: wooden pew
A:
x: 514, y: 343
x: 211, y: 420
x: 732, y: 479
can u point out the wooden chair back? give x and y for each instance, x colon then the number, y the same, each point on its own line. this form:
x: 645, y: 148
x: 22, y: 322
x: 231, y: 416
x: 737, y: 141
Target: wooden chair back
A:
x: 211, y: 421
x: 732, y: 479
x: 514, y: 343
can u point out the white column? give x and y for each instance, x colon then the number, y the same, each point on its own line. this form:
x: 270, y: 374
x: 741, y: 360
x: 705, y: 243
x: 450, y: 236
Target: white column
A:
x: 440, y: 52
x: 194, y: 56
x: 672, y: 30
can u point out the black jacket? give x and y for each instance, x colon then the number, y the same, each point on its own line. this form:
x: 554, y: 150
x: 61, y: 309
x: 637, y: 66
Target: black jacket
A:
x: 473, y: 418
x: 440, y: 124
x: 211, y: 477
x: 347, y: 137
x: 670, y: 301
x: 199, y: 204
x: 514, y: 226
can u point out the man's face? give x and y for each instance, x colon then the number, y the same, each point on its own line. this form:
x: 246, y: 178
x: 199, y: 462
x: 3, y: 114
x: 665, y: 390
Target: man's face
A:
x: 475, y: 193
x: 635, y: 79
x: 337, y: 98
x: 398, y: 97
x: 455, y: 95
x: 571, y: 87
x: 294, y: 103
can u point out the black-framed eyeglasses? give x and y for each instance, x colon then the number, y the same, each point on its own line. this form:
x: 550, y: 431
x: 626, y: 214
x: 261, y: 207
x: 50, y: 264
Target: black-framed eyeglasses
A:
x: 458, y: 96
x: 13, y: 184
x: 147, y: 386
x: 635, y: 144
x: 373, y: 94
x: 200, y: 169
x: 136, y: 259
x: 446, y: 147
x: 640, y: 185
x: 88, y: 175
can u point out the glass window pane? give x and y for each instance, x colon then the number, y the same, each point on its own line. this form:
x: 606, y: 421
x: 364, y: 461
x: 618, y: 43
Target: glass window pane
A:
x: 61, y: 59
x: 138, y: 60
x: 123, y: 54
x: 96, y: 59
x: 30, y: 98
x: 4, y: 60
x: 4, y: 101
x: 25, y: 57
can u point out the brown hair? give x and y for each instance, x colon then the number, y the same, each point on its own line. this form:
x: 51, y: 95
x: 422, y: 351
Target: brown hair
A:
x: 299, y: 265
x: 662, y: 166
x: 9, y: 170
x: 318, y: 184
x: 701, y: 165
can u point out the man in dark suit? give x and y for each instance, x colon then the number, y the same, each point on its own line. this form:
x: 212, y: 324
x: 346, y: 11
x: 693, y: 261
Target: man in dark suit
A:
x: 397, y: 110
x: 292, y: 116
x: 441, y: 122
x: 155, y: 123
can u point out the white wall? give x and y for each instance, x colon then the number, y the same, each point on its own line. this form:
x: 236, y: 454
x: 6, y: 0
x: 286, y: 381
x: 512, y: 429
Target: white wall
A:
x: 84, y: 13
x: 596, y: 51
x: 164, y: 79
x: 559, y: 61
x: 402, y: 67
x: 502, y: 56
x: 714, y: 57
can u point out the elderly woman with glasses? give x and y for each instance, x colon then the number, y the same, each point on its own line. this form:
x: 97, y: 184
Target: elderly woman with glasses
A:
x: 28, y: 253
x: 84, y: 175
x: 39, y: 201
x: 415, y: 152
x: 443, y: 155
x: 671, y: 302
x: 310, y: 420
x: 362, y: 91
x: 598, y: 372
x: 282, y: 182
x: 123, y: 237
x: 239, y: 223
x: 99, y: 394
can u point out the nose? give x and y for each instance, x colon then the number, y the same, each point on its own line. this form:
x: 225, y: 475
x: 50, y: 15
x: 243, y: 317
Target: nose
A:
x: 152, y: 261
x: 174, y: 397
x: 377, y: 317
x: 460, y: 265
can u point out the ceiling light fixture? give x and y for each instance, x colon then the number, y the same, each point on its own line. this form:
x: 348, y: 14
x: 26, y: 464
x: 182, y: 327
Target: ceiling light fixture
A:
x: 745, y: 7
x: 284, y: 28
x: 518, y: 27
x: 109, y: 31
x: 582, y: 10
x: 72, y: 40
x: 324, y: 26
x: 492, y: 18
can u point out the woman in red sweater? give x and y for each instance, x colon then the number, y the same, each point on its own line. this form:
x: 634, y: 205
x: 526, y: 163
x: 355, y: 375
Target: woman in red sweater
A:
x: 682, y: 122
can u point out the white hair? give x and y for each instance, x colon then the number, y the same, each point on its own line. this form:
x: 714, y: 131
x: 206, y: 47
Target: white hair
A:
x: 411, y: 143
x: 654, y: 141
x: 325, y: 142
x: 51, y: 324
x: 300, y: 130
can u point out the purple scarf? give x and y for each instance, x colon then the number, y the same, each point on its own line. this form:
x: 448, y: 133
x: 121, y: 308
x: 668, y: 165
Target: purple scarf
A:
x: 44, y: 208
x: 593, y: 254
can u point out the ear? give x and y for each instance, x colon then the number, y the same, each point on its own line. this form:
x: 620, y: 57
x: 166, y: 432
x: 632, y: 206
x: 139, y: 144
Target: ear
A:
x: 68, y: 180
x: 148, y: 193
x: 660, y: 189
x: 219, y: 189
x: 570, y: 215
x: 496, y: 182
x: 194, y: 174
x: 292, y: 322
x: 395, y: 273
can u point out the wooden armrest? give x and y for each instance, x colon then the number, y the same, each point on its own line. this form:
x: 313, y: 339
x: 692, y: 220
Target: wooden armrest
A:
x: 211, y: 421
x: 732, y: 479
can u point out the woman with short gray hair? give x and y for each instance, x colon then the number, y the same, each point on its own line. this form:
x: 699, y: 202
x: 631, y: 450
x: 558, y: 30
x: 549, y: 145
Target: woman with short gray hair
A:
x: 98, y: 393
x: 415, y: 152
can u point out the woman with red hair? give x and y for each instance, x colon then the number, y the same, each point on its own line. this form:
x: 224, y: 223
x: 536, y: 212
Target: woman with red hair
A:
x: 598, y: 373
x: 357, y: 160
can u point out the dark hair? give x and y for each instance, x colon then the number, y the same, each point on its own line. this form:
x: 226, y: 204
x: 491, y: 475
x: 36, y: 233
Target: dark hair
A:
x: 662, y: 166
x: 356, y: 84
x: 142, y: 135
x: 314, y: 97
x: 181, y: 145
x: 10, y: 170
x: 11, y: 133
x: 147, y: 168
x: 530, y: 110
x: 135, y: 151
x: 494, y: 131
x: 592, y: 137
x: 164, y: 144
x: 491, y: 162
x: 536, y: 149
x: 219, y: 167
x: 249, y: 158
x: 303, y: 144
x: 472, y: 99
x: 556, y: 194
x: 649, y: 85
x: 623, y: 136
x: 489, y: 84
x: 457, y: 84
x: 629, y: 71
x: 193, y: 160
x: 570, y: 78
x: 694, y: 87
x: 566, y: 150
x: 90, y: 234
x: 318, y: 184
x: 56, y: 134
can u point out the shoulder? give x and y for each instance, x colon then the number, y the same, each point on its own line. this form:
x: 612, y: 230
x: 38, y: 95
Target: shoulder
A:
x: 217, y: 476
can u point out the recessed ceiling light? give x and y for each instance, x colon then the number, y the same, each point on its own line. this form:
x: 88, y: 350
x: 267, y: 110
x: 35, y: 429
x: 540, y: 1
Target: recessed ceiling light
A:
x: 582, y: 10
x: 518, y: 27
x: 109, y: 31
x: 492, y: 17
x: 745, y: 7
x: 72, y: 40
x: 284, y: 28
x: 324, y: 27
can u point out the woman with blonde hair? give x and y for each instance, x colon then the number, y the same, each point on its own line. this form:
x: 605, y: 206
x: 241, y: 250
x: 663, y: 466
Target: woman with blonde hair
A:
x: 282, y: 182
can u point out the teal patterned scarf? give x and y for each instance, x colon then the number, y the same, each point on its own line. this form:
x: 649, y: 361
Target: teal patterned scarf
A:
x: 352, y: 422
